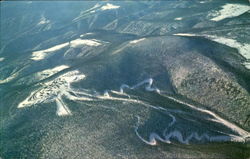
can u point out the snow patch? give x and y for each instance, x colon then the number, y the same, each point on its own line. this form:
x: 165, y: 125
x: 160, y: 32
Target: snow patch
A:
x: 109, y: 6
x: 136, y: 41
x: 243, y: 48
x: 181, y: 135
x: 8, y: 79
x: 81, y: 42
x: 179, y: 18
x: 40, y: 55
x: 95, y: 7
x: 50, y: 72
x: 148, y: 87
x: 247, y: 65
x: 13, y: 75
x: 185, y: 34
x: 218, y: 119
x: 62, y: 109
x: 53, y: 90
x: 86, y: 34
x: 1, y: 59
x: 230, y: 10
x: 42, y: 75
x: 43, y: 20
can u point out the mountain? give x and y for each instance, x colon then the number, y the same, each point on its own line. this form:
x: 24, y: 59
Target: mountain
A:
x: 125, y: 79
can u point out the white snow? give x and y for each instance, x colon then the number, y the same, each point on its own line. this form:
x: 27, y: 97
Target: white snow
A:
x: 12, y: 76
x: 34, y: 78
x: 43, y: 20
x: 40, y: 55
x: 81, y: 42
x: 1, y: 59
x: 247, y: 65
x: 136, y: 41
x: 148, y: 87
x: 54, y: 90
x: 62, y: 108
x: 122, y: 87
x: 86, y: 34
x: 49, y: 72
x: 185, y: 34
x: 27, y: 102
x: 218, y: 119
x: 86, y: 12
x: 178, y: 18
x: 230, y: 10
x: 176, y: 134
x: 167, y: 135
x: 106, y: 93
x: 109, y: 6
x: 95, y: 7
x: 243, y: 48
